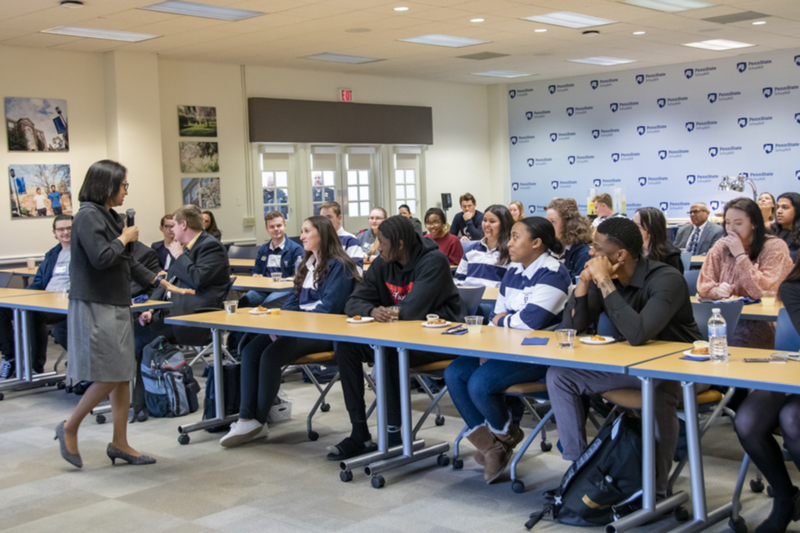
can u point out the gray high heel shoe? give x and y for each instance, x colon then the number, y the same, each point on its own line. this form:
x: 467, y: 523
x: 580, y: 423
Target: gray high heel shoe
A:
x: 72, y: 458
x: 115, y: 453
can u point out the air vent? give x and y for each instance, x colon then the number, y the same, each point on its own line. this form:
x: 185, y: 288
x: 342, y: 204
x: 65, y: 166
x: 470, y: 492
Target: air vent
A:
x: 483, y: 55
x: 736, y: 17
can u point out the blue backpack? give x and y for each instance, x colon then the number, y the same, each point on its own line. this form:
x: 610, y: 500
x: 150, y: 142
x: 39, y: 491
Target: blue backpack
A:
x: 170, y: 389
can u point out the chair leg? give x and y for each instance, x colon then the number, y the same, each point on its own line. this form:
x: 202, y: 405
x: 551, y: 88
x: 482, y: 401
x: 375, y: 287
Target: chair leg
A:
x: 431, y: 406
x: 517, y: 485
x: 371, y: 385
x: 320, y: 401
x: 58, y: 361
x: 421, y: 382
x: 457, y: 443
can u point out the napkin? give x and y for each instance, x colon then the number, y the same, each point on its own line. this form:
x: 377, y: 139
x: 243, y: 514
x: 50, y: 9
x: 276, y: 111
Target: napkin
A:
x: 455, y: 330
x: 696, y: 357
x: 534, y: 341
x: 140, y: 299
x: 751, y: 301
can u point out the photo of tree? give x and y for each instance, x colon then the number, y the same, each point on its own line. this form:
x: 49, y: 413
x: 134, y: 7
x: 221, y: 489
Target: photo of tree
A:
x: 40, y: 190
x: 37, y: 125
x: 197, y: 121
x: 199, y: 157
x: 202, y: 192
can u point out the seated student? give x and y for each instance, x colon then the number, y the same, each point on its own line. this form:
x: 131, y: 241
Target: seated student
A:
x: 366, y: 239
x: 745, y: 263
x: 768, y: 205
x: 210, y: 225
x: 448, y: 243
x: 787, y: 221
x: 484, y: 263
x: 574, y: 231
x: 532, y: 296
x: 148, y: 258
x: 699, y: 236
x: 759, y: 415
x: 645, y: 300
x: 604, y: 207
x: 325, y: 278
x: 52, y: 275
x: 162, y: 247
x: 653, y: 225
x: 333, y: 212
x: 201, y: 264
x: 468, y: 221
x: 405, y: 211
x: 517, y: 210
x: 412, y: 274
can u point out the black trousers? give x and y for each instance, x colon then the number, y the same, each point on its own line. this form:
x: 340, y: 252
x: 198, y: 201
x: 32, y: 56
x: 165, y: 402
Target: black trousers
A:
x: 350, y: 357
x: 40, y: 321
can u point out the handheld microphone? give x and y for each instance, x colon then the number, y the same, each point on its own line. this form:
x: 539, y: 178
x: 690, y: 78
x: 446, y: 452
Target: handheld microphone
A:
x: 131, y: 214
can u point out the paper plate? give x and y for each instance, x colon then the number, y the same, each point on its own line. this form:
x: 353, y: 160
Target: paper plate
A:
x: 426, y: 325
x: 588, y: 340
x: 363, y: 320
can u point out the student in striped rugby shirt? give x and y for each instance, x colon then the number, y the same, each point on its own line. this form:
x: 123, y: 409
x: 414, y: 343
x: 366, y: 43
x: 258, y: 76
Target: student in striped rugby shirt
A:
x: 485, y: 262
x: 532, y: 296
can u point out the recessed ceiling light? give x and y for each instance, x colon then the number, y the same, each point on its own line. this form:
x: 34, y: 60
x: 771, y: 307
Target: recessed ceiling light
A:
x: 718, y: 45
x: 94, y: 33
x: 759, y: 22
x: 193, y: 9
x: 476, y: 20
x: 502, y: 74
x: 401, y: 9
x: 71, y: 4
x: 443, y: 40
x: 603, y: 61
x: 570, y: 20
x: 639, y: 33
x: 670, y: 6
x: 341, y: 58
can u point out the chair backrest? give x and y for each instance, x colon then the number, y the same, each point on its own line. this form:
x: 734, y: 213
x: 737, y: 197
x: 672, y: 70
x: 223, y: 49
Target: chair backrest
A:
x: 691, y: 280
x: 466, y: 244
x: 786, y: 337
x: 297, y: 240
x: 731, y: 311
x: 470, y: 299
x: 686, y: 258
x: 5, y: 279
x: 242, y: 252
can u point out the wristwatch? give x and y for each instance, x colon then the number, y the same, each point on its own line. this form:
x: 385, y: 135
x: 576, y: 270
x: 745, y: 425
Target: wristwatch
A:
x: 157, y: 282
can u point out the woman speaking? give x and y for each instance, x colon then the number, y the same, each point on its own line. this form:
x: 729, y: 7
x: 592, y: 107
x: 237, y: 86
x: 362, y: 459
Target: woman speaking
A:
x: 100, y: 325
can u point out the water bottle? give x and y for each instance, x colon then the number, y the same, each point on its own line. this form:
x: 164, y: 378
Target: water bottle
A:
x: 717, y: 338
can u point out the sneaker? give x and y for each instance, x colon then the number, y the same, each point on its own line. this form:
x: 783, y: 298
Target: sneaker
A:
x: 242, y: 432
x: 6, y: 369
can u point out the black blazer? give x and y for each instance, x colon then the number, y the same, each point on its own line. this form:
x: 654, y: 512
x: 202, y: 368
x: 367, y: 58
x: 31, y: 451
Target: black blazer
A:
x: 162, y: 253
x: 147, y: 257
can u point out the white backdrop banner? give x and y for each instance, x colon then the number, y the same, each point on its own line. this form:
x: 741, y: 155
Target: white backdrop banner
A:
x: 659, y: 136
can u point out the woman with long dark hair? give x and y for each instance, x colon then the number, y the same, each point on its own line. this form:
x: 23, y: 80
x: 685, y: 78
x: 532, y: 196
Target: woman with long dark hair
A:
x: 573, y: 230
x: 485, y: 262
x: 323, y: 282
x: 532, y: 296
x: 101, y: 348
x: 210, y: 225
x: 653, y: 225
x: 787, y: 221
x: 745, y: 263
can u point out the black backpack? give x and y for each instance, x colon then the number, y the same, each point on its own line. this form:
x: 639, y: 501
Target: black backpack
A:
x: 170, y: 389
x: 231, y: 382
x: 603, y: 484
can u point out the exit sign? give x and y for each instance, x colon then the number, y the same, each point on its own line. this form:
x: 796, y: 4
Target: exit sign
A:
x: 345, y: 95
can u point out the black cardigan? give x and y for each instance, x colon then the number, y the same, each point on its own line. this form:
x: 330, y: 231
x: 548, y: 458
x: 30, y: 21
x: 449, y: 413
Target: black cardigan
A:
x: 100, y: 268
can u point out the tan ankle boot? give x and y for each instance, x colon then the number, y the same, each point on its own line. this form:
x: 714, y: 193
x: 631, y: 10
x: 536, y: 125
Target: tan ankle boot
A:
x: 517, y: 435
x: 494, y: 452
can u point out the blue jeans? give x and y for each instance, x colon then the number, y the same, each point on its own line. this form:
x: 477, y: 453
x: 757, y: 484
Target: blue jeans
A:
x: 256, y: 298
x: 477, y: 389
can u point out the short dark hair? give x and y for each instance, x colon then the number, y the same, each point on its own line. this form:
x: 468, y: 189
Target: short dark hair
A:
x: 192, y: 215
x: 404, y: 205
x: 331, y: 205
x: 398, y: 228
x: 624, y: 233
x: 103, y: 180
x: 435, y: 211
x: 467, y: 197
x: 165, y: 218
x: 753, y: 212
x: 541, y: 228
x: 273, y: 214
x: 59, y: 218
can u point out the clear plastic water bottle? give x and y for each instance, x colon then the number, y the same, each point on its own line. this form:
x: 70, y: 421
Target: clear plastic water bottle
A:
x: 717, y: 337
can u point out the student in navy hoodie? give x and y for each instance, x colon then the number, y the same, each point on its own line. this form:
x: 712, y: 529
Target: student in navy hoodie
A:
x: 414, y: 275
x: 324, y: 280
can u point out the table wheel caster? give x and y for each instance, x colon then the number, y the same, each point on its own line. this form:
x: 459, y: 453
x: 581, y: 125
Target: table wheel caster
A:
x: 100, y: 419
x: 325, y: 407
x: 61, y: 385
x: 546, y: 446
x: 439, y: 420
x: 443, y: 460
x: 378, y: 481
x: 458, y: 464
x: 518, y: 486
x: 313, y: 435
x: 756, y: 485
x: 680, y: 514
x: 183, y: 439
x: 346, y: 476
x: 738, y: 525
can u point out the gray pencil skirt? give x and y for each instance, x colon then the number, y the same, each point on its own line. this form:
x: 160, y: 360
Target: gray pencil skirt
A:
x: 101, y: 344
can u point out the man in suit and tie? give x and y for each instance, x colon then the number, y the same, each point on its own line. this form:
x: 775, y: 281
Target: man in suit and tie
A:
x: 699, y: 236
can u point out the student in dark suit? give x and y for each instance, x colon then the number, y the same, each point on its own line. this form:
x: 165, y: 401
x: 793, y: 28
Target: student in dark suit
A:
x: 148, y: 258
x: 699, y: 236
x: 162, y: 247
x: 201, y: 264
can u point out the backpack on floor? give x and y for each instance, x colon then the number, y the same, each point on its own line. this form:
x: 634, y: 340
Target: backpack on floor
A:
x: 170, y: 389
x: 605, y: 482
x: 323, y: 373
x: 231, y: 382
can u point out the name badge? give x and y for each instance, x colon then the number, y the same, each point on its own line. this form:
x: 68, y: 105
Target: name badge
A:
x: 264, y: 258
x: 60, y: 270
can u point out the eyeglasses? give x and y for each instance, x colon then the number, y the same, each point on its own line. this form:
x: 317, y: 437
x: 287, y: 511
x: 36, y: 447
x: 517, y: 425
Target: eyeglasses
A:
x: 694, y: 212
x: 125, y: 185
x: 168, y: 227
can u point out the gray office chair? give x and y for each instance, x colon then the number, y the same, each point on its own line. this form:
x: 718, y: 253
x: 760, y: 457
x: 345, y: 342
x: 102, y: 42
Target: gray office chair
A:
x: 691, y: 280
x: 242, y: 252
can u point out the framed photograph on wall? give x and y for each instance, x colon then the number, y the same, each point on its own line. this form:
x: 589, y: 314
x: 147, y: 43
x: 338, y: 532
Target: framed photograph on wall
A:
x: 197, y: 121
x: 37, y: 125
x: 40, y: 190
x: 199, y: 157
x: 202, y: 192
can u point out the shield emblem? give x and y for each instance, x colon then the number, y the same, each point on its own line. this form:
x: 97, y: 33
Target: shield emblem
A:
x: 713, y: 151
x: 797, y: 117
x: 640, y: 79
x: 797, y: 174
x: 531, y: 209
x: 529, y: 115
x: 514, y: 139
x: 515, y: 186
x: 530, y: 162
x: 714, y: 204
x: 570, y: 111
x: 768, y: 148
x: 512, y: 93
x: 552, y: 89
x: 661, y: 102
x: 742, y: 122
x: 712, y: 97
x: 553, y: 137
x: 594, y: 84
x: 767, y: 92
x: 642, y: 181
x: 614, y: 107
x: 663, y: 205
x: 691, y: 178
x: 596, y: 133
x: 640, y: 130
x: 690, y: 126
x: 746, y: 175
x: 741, y: 67
x: 689, y: 72
x: 662, y: 154
x: 615, y: 157
x: 571, y: 159
x: 597, y: 183
x: 554, y: 184
x: 797, y: 60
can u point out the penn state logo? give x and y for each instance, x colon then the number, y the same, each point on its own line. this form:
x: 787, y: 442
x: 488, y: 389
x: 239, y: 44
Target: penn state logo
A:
x: 767, y: 92
x: 512, y: 93
x: 690, y: 126
x: 554, y: 184
x: 797, y: 60
x: 570, y: 111
x: 797, y: 174
x: 615, y: 157
x: 768, y: 148
x: 741, y: 67
x: 746, y: 175
x: 663, y: 206
x: 640, y: 130
x: 571, y: 159
x: 530, y: 162
x: 514, y: 139
x: 742, y: 122
x: 529, y: 114
x: 797, y: 117
x: 597, y: 182
x: 640, y: 79
x: 552, y: 89
x: 594, y: 84
x: 691, y: 178
x: 662, y: 154
x: 712, y: 97
x: 614, y: 107
x: 642, y: 181
x: 515, y: 186
x: 689, y: 72
x: 714, y: 205
x: 713, y: 151
x: 531, y: 209
x: 596, y: 133
x: 661, y: 102
x: 553, y: 137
